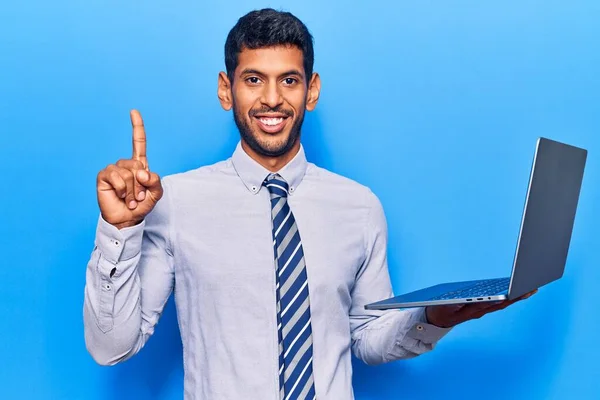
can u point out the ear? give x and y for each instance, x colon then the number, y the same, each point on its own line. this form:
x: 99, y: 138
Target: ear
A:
x: 314, y: 90
x: 224, y: 91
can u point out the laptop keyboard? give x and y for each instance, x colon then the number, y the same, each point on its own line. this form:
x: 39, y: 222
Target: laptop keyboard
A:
x: 483, y: 288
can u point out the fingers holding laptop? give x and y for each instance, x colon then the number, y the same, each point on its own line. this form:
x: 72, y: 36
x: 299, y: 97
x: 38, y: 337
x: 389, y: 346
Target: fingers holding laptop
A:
x: 447, y: 316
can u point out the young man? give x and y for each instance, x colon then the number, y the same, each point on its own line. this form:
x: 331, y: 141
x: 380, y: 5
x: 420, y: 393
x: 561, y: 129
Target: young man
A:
x: 273, y: 257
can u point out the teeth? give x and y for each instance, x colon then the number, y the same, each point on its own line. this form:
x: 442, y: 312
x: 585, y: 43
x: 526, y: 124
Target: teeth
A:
x: 271, y: 121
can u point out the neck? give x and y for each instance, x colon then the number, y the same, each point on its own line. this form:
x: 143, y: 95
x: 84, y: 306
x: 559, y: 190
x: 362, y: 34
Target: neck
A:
x: 273, y: 164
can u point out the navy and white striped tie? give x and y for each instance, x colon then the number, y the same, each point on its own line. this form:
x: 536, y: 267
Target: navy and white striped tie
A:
x: 293, y: 307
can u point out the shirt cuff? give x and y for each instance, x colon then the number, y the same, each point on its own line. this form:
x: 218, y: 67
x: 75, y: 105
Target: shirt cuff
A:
x: 424, y: 331
x: 118, y: 244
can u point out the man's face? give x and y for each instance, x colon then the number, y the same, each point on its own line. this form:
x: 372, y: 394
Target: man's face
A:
x: 269, y: 95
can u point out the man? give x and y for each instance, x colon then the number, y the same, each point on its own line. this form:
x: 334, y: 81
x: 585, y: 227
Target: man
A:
x: 272, y: 259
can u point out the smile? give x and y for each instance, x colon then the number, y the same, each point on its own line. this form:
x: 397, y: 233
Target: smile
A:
x: 271, y: 121
x: 271, y: 124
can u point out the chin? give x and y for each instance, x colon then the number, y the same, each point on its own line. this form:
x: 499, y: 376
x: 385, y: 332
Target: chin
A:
x: 273, y: 147
x: 268, y: 145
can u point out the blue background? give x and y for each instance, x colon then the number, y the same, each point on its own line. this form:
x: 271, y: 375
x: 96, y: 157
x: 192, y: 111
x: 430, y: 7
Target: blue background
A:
x: 436, y: 105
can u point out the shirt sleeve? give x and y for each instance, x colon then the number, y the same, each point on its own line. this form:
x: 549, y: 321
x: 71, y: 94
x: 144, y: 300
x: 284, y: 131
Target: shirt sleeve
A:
x: 129, y: 279
x: 383, y: 336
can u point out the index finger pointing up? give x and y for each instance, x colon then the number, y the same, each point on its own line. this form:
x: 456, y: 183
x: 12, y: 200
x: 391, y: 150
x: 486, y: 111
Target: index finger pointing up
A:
x: 139, y: 137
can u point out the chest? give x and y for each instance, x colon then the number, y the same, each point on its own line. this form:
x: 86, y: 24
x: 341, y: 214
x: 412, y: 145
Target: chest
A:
x: 225, y: 244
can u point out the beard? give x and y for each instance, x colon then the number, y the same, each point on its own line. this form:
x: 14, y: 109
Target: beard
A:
x: 260, y: 146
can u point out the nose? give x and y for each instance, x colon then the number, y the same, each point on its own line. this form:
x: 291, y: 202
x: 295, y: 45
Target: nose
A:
x: 271, y: 95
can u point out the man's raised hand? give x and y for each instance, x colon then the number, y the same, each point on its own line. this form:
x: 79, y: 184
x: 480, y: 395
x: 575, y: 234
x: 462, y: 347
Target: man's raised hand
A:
x: 127, y: 191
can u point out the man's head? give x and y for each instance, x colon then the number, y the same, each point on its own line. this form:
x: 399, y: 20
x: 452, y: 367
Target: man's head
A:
x: 269, y: 81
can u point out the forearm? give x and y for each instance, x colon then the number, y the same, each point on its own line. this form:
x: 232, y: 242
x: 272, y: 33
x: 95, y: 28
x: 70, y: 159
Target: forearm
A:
x: 113, y: 323
x: 112, y: 312
x: 395, y: 335
x: 382, y: 336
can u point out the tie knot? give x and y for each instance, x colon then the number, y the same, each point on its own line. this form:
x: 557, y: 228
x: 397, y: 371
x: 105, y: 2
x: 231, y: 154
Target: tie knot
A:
x: 276, y: 185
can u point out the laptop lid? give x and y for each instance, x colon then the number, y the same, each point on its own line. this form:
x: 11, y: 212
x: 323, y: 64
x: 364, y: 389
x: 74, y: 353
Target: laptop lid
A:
x: 548, y: 216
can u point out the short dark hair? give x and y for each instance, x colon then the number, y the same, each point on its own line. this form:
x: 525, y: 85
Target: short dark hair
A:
x: 267, y: 28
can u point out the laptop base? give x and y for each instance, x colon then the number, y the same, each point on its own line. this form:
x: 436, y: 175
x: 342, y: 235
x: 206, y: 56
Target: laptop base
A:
x: 438, y: 295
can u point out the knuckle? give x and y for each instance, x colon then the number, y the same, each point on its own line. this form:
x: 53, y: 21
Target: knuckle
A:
x: 116, y: 181
x: 120, y: 185
x: 126, y: 174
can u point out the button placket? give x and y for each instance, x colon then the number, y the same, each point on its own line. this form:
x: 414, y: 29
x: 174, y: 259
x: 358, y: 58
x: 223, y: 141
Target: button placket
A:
x: 115, y: 250
x: 105, y: 317
x: 106, y: 292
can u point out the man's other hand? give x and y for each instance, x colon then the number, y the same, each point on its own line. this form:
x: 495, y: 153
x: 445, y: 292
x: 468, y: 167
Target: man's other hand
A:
x: 454, y: 314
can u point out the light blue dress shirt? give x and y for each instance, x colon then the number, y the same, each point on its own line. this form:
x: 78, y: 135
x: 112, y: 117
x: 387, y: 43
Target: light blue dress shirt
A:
x: 209, y: 241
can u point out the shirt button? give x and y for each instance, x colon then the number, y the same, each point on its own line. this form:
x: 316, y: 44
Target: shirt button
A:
x: 107, y: 286
x: 419, y: 327
x: 116, y: 243
x: 291, y: 189
x: 254, y: 188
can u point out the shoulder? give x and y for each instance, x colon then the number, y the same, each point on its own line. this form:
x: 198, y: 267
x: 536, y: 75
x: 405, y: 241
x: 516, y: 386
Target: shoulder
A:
x: 197, y: 178
x: 343, y: 187
x: 348, y: 194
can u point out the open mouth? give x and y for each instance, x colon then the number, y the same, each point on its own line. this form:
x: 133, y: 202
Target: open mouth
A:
x: 270, y: 123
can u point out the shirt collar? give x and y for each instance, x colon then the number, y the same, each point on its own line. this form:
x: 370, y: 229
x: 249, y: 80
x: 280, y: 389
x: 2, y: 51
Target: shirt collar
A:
x: 253, y: 174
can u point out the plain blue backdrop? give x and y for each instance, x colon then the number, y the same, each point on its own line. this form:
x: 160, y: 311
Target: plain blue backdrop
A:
x: 436, y: 105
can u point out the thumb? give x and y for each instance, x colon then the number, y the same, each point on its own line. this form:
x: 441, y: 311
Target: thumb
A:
x: 151, y: 182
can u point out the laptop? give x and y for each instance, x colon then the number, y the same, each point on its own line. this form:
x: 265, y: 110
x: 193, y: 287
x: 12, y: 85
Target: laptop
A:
x: 544, y: 236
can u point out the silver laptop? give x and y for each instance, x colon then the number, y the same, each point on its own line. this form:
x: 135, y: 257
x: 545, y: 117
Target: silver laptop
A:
x: 544, y: 237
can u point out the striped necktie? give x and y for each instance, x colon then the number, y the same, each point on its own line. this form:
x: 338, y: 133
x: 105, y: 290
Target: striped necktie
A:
x: 293, y: 307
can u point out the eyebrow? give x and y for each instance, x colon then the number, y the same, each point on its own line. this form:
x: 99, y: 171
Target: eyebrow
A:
x: 249, y: 71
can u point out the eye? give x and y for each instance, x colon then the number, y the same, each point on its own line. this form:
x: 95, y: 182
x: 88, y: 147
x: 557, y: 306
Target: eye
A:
x: 290, y: 81
x: 253, y: 80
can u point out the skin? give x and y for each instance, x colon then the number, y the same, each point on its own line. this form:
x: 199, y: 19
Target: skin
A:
x: 452, y: 315
x: 268, y: 82
x: 127, y: 191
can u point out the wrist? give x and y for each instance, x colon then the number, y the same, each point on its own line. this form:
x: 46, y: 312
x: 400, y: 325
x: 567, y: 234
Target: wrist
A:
x: 122, y: 225
x: 427, y: 317
x: 127, y: 224
x: 431, y: 318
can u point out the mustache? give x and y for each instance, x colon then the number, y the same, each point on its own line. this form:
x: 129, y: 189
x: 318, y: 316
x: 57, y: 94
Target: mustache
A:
x: 266, y: 110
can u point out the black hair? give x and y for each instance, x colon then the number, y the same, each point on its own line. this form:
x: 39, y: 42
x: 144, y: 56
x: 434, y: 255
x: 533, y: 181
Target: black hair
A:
x: 266, y: 28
